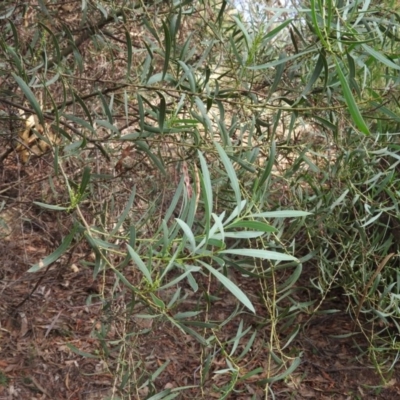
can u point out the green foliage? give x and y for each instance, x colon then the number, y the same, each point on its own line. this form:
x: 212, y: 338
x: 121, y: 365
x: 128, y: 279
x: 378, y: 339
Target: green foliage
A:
x: 198, y: 143
x: 359, y: 216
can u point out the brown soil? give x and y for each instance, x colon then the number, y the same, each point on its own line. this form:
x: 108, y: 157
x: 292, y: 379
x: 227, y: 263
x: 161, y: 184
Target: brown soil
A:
x: 59, y: 340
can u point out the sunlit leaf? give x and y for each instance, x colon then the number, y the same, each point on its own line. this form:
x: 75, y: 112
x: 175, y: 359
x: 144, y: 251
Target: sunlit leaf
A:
x: 30, y: 96
x: 50, y: 206
x: 380, y: 57
x: 263, y: 254
x: 351, y: 103
x: 188, y: 232
x: 57, y: 253
x: 189, y: 75
x: 230, y: 170
x: 255, y: 225
x: 280, y: 214
x: 140, y: 264
x: 238, y: 293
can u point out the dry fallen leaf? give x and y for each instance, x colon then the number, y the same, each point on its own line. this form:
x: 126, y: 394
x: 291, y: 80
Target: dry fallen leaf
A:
x: 24, y: 324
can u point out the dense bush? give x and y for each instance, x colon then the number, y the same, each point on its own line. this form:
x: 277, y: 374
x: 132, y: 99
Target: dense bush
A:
x: 190, y: 141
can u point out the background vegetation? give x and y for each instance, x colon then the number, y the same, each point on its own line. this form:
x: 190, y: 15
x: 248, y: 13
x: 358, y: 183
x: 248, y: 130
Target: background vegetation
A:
x: 200, y: 154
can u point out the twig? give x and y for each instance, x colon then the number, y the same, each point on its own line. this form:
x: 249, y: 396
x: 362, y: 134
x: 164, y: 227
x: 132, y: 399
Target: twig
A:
x: 21, y: 303
x: 371, y: 281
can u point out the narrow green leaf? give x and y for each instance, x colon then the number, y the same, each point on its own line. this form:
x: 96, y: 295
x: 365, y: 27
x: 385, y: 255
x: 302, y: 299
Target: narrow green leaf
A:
x: 173, y: 282
x: 246, y: 349
x: 147, y: 65
x: 255, y: 225
x: 107, y: 125
x: 101, y: 244
x: 280, y: 214
x: 158, y: 302
x: 352, y: 66
x: 48, y: 82
x: 315, y: 75
x: 238, y: 235
x: 156, y: 160
x: 316, y: 17
x: 78, y: 58
x: 187, y: 314
x: 50, y: 206
x: 235, y: 51
x: 238, y: 293
x: 263, y: 254
x: 350, y: 101
x: 140, y: 264
x: 234, y: 181
x: 282, y: 60
x: 149, y: 26
x: 247, y: 37
x: 125, y: 213
x: 188, y: 232
x: 80, y: 352
x: 176, y: 296
x: 256, y: 371
x: 57, y: 253
x: 130, y: 53
x: 184, y: 54
x: 98, y: 5
x: 162, y: 108
x: 43, y: 8
x: 291, y: 369
x: 276, y: 30
x: 237, y: 338
x: 106, y: 108
x: 167, y: 394
x: 218, y: 227
x: 79, y: 121
x: 126, y: 106
x: 159, y: 78
x: 125, y: 281
x: 380, y: 57
x: 285, y: 286
x: 269, y: 164
x: 132, y: 233
x: 207, y: 182
x: 57, y: 57
x: 8, y: 14
x: 371, y: 220
x: 339, y: 200
x: 167, y: 48
x: 329, y: 9
x: 189, y: 75
x: 293, y: 335
x: 141, y: 112
x: 236, y: 211
x: 85, y: 180
x: 361, y: 12
x: 221, y: 12
x: 30, y: 96
x: 386, y: 111
x: 174, y: 26
x: 85, y: 109
x: 205, y: 120
x: 278, y: 75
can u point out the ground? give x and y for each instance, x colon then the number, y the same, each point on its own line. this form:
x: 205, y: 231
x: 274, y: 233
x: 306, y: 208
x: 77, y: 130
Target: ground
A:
x: 60, y: 339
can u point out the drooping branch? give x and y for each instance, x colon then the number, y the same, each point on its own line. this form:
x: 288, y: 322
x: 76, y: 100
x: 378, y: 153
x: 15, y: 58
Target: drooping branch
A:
x: 87, y: 33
